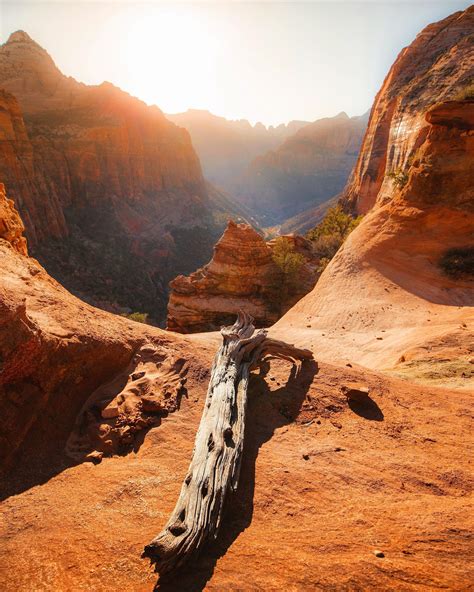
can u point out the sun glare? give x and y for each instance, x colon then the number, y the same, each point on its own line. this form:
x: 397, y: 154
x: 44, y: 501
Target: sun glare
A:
x: 170, y: 55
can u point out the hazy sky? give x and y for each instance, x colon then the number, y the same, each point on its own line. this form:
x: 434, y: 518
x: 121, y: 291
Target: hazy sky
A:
x: 267, y: 61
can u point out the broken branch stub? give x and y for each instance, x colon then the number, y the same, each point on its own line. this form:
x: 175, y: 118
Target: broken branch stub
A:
x: 215, y: 465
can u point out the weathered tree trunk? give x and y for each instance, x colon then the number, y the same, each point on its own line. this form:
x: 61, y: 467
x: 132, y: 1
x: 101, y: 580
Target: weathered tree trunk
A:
x: 217, y: 455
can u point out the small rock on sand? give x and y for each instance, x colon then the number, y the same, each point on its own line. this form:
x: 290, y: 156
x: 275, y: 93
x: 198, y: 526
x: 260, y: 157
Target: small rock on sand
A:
x: 355, y: 392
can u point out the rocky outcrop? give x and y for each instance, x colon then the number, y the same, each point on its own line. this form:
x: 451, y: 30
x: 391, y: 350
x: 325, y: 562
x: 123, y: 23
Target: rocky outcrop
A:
x: 308, y: 169
x: 106, y: 185
x: 241, y: 275
x: 11, y: 226
x: 434, y: 69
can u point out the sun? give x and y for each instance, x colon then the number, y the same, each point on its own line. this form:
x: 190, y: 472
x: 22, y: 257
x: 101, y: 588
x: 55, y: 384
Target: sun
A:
x: 170, y: 56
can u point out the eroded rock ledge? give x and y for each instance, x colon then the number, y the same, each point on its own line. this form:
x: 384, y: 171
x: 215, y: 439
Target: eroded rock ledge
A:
x: 240, y: 275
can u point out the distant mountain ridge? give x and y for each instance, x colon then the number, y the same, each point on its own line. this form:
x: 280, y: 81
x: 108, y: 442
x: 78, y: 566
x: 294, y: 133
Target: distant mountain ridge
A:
x: 309, y: 168
x: 276, y: 172
x: 226, y: 147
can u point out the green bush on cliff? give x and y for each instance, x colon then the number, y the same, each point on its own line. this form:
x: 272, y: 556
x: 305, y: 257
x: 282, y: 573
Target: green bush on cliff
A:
x: 399, y: 178
x: 288, y: 264
x: 288, y: 261
x: 330, y: 233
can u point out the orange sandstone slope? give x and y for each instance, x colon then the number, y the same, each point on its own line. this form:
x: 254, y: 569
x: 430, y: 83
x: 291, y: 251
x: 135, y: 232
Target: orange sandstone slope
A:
x: 313, y: 504
x: 384, y: 301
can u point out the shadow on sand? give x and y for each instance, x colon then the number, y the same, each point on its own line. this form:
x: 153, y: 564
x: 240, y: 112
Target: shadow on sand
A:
x: 267, y: 411
x: 367, y: 408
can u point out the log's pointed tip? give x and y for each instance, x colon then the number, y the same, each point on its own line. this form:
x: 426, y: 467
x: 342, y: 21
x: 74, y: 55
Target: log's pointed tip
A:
x: 149, y: 552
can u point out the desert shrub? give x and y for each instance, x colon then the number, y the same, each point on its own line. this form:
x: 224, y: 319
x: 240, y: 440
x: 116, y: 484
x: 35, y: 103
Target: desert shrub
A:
x: 399, y: 178
x: 138, y: 317
x: 288, y: 261
x: 336, y: 222
x: 327, y: 245
x: 284, y: 280
x: 458, y: 262
x: 330, y: 233
x: 466, y: 93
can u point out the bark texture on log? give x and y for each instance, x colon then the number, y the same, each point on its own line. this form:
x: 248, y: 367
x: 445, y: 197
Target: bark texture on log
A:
x: 217, y: 455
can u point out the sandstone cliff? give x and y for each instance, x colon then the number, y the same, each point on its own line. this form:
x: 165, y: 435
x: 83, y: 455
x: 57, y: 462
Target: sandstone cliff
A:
x: 435, y: 68
x: 107, y: 187
x: 309, y: 168
x: 241, y: 275
x: 11, y: 226
x: 385, y: 300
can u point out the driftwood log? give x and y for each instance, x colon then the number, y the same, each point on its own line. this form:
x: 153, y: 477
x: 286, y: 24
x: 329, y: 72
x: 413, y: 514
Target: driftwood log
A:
x: 217, y: 455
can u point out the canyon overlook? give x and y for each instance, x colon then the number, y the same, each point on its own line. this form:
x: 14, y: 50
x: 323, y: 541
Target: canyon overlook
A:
x: 99, y: 413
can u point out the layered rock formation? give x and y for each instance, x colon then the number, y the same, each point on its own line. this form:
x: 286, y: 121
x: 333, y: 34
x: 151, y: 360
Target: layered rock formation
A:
x: 309, y: 168
x: 435, y: 68
x: 107, y: 187
x: 385, y: 301
x: 11, y: 226
x: 226, y: 147
x: 241, y: 275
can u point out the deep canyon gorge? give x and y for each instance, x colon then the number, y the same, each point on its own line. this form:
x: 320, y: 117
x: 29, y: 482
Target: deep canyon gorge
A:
x: 104, y: 201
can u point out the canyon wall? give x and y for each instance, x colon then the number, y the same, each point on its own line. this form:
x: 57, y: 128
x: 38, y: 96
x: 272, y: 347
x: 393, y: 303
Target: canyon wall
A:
x: 390, y: 299
x: 241, y: 275
x: 436, y: 67
x: 111, y: 192
x: 11, y: 225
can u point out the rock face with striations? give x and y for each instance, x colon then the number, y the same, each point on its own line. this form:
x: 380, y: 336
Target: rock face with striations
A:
x: 241, y: 275
x: 11, y: 226
x: 387, y: 299
x: 434, y: 69
x: 108, y: 188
